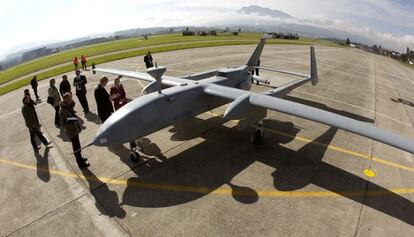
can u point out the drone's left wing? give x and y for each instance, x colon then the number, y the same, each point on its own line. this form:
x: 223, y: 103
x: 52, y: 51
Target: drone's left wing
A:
x: 166, y: 80
x: 242, y: 99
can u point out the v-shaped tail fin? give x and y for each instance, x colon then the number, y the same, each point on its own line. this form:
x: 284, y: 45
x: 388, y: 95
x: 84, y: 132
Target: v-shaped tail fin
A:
x: 254, y: 59
x: 313, y: 69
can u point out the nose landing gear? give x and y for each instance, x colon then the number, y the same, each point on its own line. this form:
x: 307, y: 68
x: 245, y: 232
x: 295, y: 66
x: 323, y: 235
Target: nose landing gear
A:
x: 134, y: 156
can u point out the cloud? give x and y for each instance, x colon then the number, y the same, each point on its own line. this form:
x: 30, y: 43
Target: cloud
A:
x: 388, y: 22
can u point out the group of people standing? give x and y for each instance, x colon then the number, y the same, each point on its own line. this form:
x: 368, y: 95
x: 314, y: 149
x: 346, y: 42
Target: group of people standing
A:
x: 66, y: 118
x: 65, y: 115
x: 83, y: 60
x: 104, y: 101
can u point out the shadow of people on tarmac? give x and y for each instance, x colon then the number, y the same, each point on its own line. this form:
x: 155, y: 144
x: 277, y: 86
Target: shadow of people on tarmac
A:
x: 106, y: 200
x: 62, y: 135
x: 42, y: 165
x: 92, y: 117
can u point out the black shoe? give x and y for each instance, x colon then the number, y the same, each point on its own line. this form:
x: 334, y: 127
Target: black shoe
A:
x: 49, y: 144
x: 36, y: 150
x: 84, y: 165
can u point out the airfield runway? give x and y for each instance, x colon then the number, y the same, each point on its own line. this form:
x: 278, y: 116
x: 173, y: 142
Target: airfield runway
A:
x: 204, y: 178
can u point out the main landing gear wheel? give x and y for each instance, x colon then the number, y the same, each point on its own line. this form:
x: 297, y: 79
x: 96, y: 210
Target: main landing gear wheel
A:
x: 135, y: 156
x: 257, y: 138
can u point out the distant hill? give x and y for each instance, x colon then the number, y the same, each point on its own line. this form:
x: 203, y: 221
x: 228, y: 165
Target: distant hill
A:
x: 263, y: 11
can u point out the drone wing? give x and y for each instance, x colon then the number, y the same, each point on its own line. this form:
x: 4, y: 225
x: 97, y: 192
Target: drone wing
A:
x: 166, y: 80
x: 242, y: 99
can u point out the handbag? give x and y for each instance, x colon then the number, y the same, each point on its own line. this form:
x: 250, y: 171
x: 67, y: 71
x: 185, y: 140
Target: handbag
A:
x: 50, y: 100
x: 77, y: 121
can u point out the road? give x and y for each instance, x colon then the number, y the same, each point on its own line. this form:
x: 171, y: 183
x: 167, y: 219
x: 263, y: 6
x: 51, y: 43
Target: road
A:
x: 204, y: 178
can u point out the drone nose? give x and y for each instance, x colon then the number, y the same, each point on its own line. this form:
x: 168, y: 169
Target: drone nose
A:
x: 100, y: 139
x: 103, y: 136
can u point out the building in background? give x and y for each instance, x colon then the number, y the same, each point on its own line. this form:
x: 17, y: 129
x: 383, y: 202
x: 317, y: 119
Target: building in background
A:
x: 35, y: 53
x: 188, y: 32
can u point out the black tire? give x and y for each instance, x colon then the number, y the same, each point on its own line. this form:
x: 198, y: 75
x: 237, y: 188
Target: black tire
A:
x: 135, y: 157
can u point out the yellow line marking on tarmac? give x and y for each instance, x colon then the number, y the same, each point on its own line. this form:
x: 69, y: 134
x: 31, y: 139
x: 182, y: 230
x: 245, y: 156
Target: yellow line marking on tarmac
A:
x: 343, y: 150
x: 235, y: 192
x: 217, y: 191
x: 332, y: 147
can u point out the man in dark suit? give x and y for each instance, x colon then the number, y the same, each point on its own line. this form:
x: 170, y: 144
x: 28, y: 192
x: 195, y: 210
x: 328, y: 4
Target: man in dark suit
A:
x: 103, y: 100
x: 32, y: 122
x: 80, y: 84
x: 34, y: 84
x: 148, y: 60
x: 64, y: 86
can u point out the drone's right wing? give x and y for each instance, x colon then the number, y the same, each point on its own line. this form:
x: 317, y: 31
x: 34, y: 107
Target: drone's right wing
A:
x: 243, y: 99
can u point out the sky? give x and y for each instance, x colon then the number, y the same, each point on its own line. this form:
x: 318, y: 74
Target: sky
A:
x: 388, y: 22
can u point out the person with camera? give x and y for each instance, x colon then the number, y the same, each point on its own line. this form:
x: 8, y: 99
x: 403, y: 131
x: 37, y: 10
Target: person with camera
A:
x: 71, y: 125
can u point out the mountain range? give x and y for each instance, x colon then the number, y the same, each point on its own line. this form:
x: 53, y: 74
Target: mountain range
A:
x: 263, y: 11
x: 248, y: 18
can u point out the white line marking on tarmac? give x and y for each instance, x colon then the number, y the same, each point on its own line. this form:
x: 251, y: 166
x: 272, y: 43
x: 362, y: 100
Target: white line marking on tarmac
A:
x: 357, y: 107
x: 139, y: 81
x: 17, y: 110
x: 407, y: 78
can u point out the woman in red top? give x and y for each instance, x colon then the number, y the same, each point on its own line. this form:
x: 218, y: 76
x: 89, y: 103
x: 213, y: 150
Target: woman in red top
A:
x: 118, y: 94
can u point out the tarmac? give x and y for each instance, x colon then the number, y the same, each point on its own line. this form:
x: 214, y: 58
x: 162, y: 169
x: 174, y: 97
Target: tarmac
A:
x: 204, y: 178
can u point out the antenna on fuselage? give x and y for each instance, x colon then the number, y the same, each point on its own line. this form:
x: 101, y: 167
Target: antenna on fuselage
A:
x: 156, y: 73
